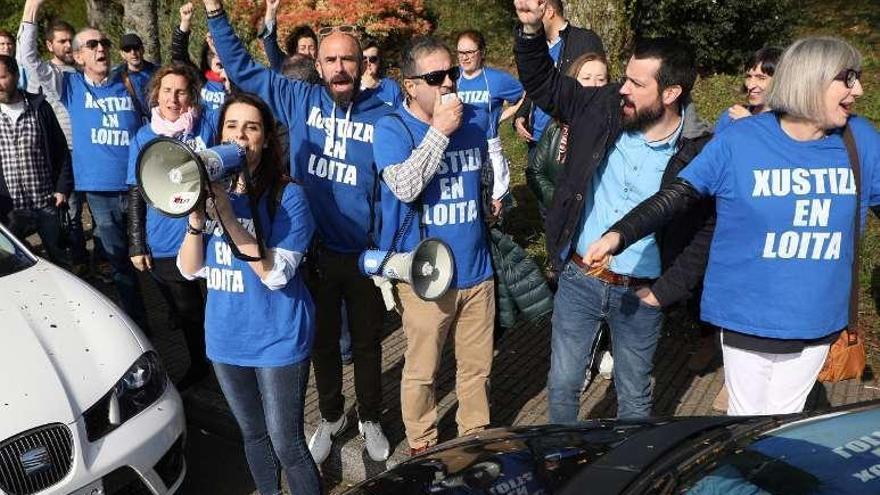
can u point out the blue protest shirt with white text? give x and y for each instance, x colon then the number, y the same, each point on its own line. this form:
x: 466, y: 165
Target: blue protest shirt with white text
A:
x: 213, y: 95
x: 451, y: 202
x: 781, y: 257
x: 487, y: 92
x: 388, y: 91
x: 246, y: 323
x: 539, y: 118
x: 331, y: 146
x: 104, y: 121
x: 165, y: 234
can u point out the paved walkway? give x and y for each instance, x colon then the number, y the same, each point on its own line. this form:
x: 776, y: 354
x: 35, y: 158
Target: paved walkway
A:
x: 518, y: 394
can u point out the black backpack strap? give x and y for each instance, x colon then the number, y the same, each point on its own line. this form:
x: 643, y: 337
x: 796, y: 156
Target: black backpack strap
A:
x: 135, y: 99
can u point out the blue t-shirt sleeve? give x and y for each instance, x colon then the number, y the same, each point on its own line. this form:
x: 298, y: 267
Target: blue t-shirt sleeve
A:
x: 293, y: 225
x: 723, y: 122
x: 507, y: 87
x: 134, y: 150
x: 396, y: 146
x: 708, y: 171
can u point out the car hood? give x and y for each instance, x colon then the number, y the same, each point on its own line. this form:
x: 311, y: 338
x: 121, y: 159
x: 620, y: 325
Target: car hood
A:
x: 64, y: 346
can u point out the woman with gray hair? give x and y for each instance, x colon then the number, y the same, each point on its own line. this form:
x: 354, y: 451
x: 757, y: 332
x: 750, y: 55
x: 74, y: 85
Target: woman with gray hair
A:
x: 780, y: 268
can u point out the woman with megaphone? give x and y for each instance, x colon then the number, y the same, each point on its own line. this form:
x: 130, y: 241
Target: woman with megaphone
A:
x: 154, y: 238
x: 259, y: 318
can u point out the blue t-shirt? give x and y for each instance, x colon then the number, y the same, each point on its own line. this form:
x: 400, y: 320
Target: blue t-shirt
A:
x: 165, y: 234
x: 388, y: 91
x: 539, y: 118
x: 104, y: 121
x: 780, y: 263
x: 487, y: 92
x: 213, y: 95
x: 451, y: 202
x: 140, y: 79
x: 246, y: 323
x: 331, y: 146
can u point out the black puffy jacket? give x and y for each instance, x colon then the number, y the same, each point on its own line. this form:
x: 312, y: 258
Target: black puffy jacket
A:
x: 520, y: 284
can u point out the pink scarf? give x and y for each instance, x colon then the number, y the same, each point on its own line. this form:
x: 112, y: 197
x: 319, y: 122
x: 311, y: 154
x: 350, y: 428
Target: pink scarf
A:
x: 164, y: 127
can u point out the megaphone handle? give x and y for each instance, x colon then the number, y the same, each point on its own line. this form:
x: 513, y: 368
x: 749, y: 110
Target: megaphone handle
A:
x: 386, y: 289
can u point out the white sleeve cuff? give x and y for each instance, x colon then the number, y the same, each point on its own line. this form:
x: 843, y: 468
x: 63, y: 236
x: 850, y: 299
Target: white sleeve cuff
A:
x: 283, y: 269
x: 201, y: 273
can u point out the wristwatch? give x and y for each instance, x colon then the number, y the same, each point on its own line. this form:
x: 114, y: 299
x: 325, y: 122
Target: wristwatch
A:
x: 193, y: 231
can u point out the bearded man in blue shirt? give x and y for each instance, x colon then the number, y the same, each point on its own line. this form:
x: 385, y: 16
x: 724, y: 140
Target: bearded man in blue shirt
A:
x: 625, y: 141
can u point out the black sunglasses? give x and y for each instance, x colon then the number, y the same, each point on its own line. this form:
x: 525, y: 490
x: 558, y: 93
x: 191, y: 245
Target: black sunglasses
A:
x: 437, y: 77
x: 849, y: 77
x: 373, y: 59
x: 92, y: 44
x: 127, y: 49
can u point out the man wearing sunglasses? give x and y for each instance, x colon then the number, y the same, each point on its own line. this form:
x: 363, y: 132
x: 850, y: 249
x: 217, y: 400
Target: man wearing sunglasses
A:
x: 106, y: 118
x: 437, y: 182
x: 626, y: 139
x: 131, y: 49
x: 331, y: 154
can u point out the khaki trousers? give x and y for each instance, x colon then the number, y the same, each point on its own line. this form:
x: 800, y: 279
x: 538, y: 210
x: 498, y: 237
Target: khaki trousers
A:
x: 469, y: 314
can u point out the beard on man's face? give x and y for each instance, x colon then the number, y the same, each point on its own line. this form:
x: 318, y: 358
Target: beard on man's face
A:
x: 343, y: 97
x: 640, y: 119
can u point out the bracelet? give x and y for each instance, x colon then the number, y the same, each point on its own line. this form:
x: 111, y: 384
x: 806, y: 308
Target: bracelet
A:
x: 215, y: 13
x: 194, y: 231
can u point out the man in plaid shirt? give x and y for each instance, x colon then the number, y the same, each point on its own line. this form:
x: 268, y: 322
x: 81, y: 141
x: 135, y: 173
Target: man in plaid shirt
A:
x: 35, y: 175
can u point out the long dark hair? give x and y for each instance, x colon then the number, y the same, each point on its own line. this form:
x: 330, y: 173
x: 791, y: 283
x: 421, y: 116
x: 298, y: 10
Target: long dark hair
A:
x: 268, y: 176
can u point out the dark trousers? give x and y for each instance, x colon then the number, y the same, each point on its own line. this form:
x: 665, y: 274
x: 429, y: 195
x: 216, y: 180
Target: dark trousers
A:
x: 78, y: 253
x: 340, y: 279
x: 43, y: 221
x: 186, y: 301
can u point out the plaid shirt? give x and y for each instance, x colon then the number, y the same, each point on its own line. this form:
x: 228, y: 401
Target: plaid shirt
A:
x: 23, y: 164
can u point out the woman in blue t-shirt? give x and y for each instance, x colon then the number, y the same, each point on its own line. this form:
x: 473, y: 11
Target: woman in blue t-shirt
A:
x: 259, y: 318
x: 759, y: 75
x: 373, y: 78
x: 487, y: 89
x: 154, y: 239
x: 779, y: 274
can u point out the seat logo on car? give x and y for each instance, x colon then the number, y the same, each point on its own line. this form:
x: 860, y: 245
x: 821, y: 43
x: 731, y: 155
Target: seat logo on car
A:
x: 35, y: 461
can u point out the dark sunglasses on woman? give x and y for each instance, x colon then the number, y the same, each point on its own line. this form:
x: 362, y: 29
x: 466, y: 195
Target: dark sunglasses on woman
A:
x: 849, y: 77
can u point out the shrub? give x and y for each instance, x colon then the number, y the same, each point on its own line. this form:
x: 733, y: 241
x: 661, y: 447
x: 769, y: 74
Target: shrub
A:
x: 723, y: 32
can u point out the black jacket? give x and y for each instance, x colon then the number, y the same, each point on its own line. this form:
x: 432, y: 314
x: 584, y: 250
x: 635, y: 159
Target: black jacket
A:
x: 520, y: 284
x: 575, y: 42
x: 594, y: 116
x: 54, y: 147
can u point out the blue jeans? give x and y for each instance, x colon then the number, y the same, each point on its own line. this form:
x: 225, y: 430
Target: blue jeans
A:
x: 582, y: 304
x: 78, y: 253
x: 108, y: 215
x: 268, y: 406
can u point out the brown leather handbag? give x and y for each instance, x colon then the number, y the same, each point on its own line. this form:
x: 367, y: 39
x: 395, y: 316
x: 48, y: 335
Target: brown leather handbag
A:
x: 846, y: 357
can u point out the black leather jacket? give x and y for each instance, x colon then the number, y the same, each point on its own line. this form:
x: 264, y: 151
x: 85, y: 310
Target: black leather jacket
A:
x: 594, y: 117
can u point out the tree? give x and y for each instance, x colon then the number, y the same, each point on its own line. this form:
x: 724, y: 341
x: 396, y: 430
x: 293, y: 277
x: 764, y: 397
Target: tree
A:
x: 609, y: 19
x: 141, y: 17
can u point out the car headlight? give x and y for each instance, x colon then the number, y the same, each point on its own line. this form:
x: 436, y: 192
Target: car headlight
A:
x: 141, y: 385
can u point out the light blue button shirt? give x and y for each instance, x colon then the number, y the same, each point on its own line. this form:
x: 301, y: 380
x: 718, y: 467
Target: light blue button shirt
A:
x: 630, y: 174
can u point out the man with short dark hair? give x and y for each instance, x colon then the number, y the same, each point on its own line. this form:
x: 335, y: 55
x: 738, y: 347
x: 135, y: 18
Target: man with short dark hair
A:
x: 35, y: 176
x: 131, y: 49
x: 331, y: 154
x: 437, y: 182
x: 625, y: 141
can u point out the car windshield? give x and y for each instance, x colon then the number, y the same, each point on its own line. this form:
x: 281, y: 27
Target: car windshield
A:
x: 12, y: 258
x: 828, y: 455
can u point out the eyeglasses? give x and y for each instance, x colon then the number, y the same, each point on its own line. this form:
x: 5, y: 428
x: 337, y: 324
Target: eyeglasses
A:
x: 437, y: 77
x: 467, y: 53
x: 92, y: 44
x: 345, y: 29
x: 373, y: 59
x: 849, y: 77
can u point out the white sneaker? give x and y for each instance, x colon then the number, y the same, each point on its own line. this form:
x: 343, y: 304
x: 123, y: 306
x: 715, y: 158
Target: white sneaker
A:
x: 374, y: 440
x: 322, y: 439
x: 606, y: 365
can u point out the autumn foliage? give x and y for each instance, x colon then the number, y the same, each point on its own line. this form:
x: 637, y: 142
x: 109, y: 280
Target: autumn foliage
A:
x: 383, y: 19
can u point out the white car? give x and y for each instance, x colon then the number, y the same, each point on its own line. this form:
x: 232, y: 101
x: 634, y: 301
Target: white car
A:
x: 85, y: 406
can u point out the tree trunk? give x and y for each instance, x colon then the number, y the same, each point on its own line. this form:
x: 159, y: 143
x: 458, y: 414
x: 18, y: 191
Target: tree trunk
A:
x: 142, y: 17
x: 609, y: 19
x: 103, y: 14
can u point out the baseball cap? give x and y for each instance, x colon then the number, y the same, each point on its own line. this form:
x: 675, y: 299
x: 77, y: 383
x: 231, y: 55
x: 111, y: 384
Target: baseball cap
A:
x: 130, y: 40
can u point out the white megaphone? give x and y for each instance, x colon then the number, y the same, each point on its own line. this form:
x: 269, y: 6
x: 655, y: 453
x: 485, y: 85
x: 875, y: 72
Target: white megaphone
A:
x: 428, y: 268
x: 174, y: 179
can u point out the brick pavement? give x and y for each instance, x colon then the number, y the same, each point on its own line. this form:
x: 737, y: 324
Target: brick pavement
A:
x: 518, y: 394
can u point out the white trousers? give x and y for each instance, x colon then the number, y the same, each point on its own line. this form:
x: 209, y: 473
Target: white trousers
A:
x: 766, y: 383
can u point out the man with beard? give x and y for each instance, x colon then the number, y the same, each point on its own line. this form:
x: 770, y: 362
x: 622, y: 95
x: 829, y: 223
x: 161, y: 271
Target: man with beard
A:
x: 106, y: 119
x: 625, y: 141
x: 331, y: 154
x: 35, y: 177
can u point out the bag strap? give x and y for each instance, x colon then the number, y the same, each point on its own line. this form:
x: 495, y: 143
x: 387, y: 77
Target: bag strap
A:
x: 852, y: 328
x: 135, y: 100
